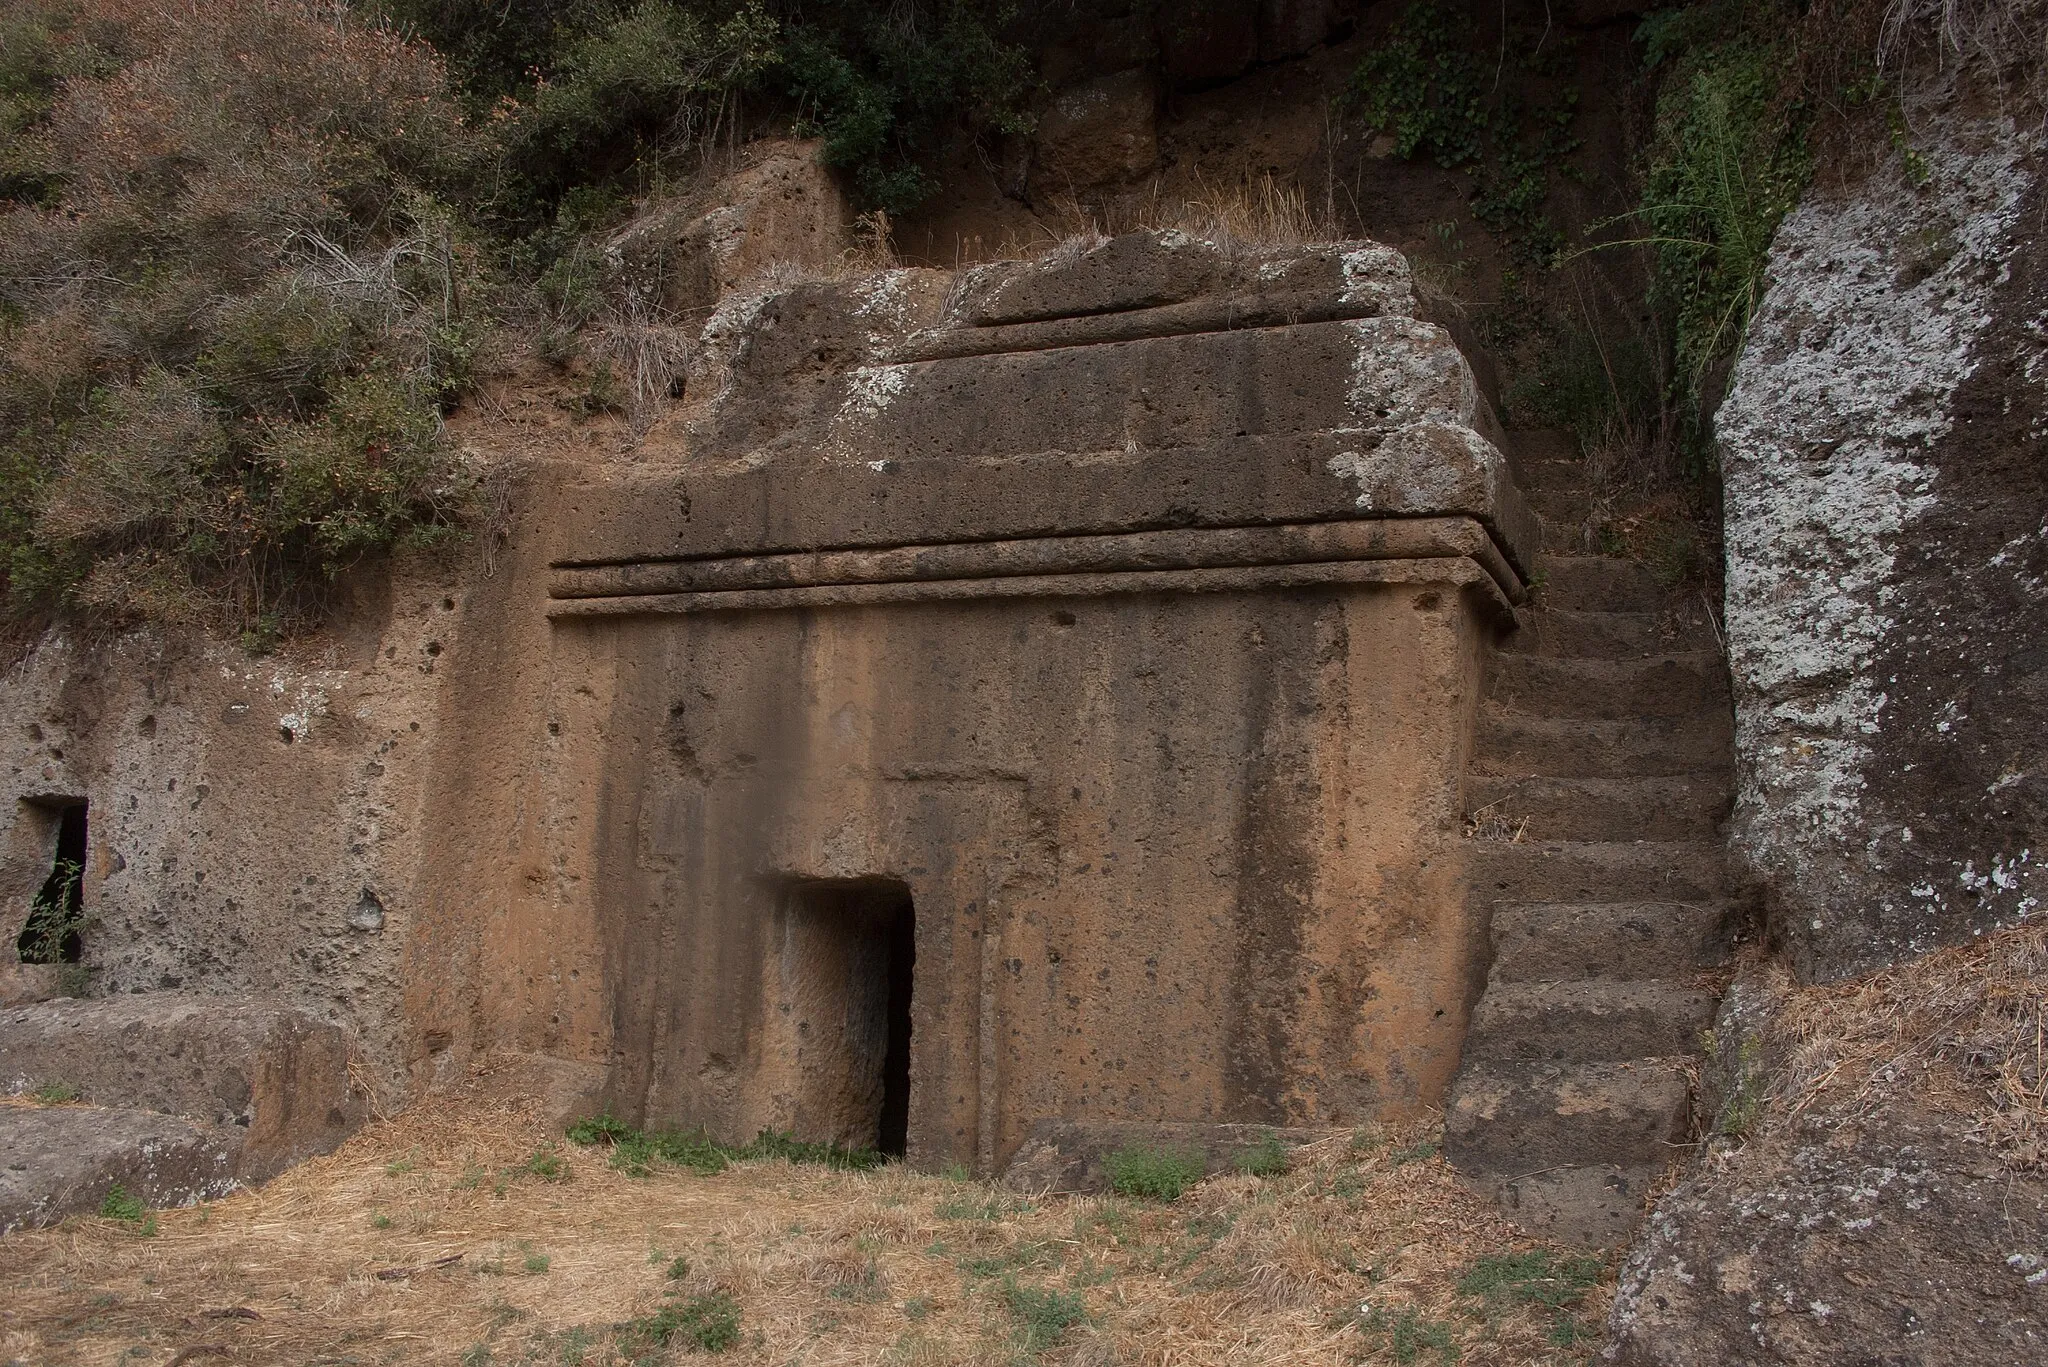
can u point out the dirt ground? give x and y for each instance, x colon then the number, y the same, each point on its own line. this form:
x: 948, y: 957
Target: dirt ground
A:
x: 471, y: 1235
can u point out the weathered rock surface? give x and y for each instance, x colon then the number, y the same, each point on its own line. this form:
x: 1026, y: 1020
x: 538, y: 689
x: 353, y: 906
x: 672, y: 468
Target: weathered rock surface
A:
x: 1073, y: 1156
x: 277, y: 1077
x: 60, y: 1160
x: 778, y: 208
x: 1891, y: 1239
x: 1885, y: 444
x: 1099, y: 132
x: 1105, y: 628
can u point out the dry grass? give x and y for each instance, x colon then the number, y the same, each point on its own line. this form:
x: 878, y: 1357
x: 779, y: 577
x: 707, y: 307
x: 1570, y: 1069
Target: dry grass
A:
x: 1961, y: 1030
x: 426, y: 1240
x: 1491, y: 823
x: 1248, y: 212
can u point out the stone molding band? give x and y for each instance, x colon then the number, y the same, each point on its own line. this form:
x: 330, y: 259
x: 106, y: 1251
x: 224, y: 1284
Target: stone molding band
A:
x: 1455, y: 550
x: 1195, y: 317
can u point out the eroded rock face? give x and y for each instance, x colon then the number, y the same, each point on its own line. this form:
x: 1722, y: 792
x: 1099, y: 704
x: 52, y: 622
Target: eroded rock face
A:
x: 1115, y: 617
x: 1886, y: 463
x: 1890, y: 1239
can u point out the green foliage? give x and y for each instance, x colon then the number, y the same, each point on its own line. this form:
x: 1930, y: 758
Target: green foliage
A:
x: 1267, y: 1158
x: 1158, y: 1174
x: 638, y: 1152
x: 649, y: 79
x: 119, y: 1205
x: 1551, y: 1283
x: 546, y: 1164
x: 1043, y: 1314
x: 1425, y: 87
x: 55, y: 1094
x: 881, y: 85
x: 55, y: 915
x: 598, y: 91
x: 1421, y: 1151
x: 1429, y: 88
x: 233, y: 313
x: 1727, y: 162
x: 708, y: 1323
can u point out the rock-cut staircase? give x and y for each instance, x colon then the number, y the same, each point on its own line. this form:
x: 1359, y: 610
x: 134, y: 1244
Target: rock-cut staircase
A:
x: 1600, y: 777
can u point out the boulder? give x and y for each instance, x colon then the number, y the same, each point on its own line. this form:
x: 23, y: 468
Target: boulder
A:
x: 1885, y: 459
x: 275, y: 1076
x: 1889, y: 1239
x: 62, y: 1160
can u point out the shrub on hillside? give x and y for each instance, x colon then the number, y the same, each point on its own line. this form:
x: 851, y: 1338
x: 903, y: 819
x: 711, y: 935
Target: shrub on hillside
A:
x: 231, y: 304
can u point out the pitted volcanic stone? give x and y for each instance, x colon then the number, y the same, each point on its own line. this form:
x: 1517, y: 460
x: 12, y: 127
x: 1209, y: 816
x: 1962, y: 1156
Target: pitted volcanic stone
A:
x: 277, y: 1075
x: 1515, y: 1120
x: 1552, y: 941
x: 1585, y: 1020
x: 63, y: 1160
x: 1648, y: 807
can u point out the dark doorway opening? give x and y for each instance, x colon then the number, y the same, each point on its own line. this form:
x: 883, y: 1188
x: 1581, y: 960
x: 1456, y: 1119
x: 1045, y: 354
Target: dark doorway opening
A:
x: 893, y: 1133
x: 57, y: 915
x: 847, y: 985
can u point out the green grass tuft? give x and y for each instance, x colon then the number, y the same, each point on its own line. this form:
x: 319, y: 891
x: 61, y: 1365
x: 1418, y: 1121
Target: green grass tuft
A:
x: 1267, y: 1158
x: 1157, y: 1174
x: 1043, y: 1314
x: 638, y: 1153
x: 708, y: 1324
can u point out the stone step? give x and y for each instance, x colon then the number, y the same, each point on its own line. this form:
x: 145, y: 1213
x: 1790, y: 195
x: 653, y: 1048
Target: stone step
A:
x: 1656, y: 807
x: 1570, y: 535
x: 1657, y: 686
x: 1585, y: 1021
x: 1532, y: 450
x: 1597, y: 871
x: 1604, y: 635
x: 1596, y: 583
x: 1590, y: 1206
x: 1513, y: 744
x: 1561, y: 501
x: 63, y: 1160
x: 1514, y: 1122
x: 1552, y: 941
x: 277, y: 1075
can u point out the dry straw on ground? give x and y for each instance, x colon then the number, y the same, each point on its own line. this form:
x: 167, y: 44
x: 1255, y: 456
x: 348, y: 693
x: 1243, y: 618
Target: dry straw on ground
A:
x: 1964, y: 1030
x: 437, y: 1238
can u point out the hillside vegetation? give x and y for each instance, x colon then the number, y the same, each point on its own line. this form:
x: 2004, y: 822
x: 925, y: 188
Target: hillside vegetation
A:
x: 252, y: 252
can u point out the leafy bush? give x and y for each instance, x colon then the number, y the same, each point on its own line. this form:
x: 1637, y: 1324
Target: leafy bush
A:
x: 1267, y: 1158
x: 881, y: 85
x: 598, y: 91
x: 1158, y: 1174
x: 119, y: 1205
x: 1727, y: 162
x: 1427, y: 86
x: 55, y: 917
x: 233, y: 310
x: 654, y: 77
